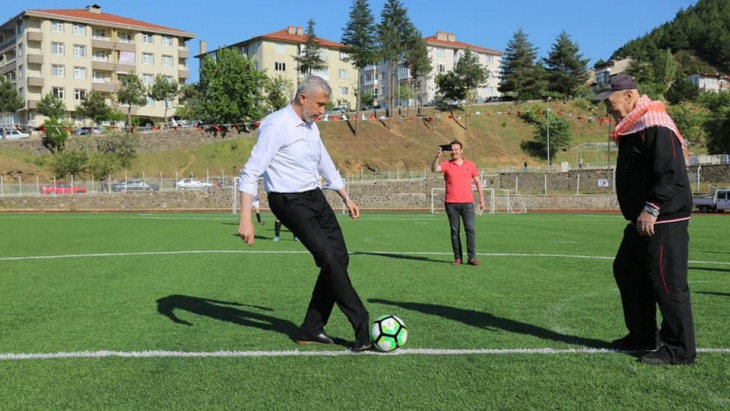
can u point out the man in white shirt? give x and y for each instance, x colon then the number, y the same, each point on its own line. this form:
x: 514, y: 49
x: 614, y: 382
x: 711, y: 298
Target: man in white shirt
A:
x: 290, y: 155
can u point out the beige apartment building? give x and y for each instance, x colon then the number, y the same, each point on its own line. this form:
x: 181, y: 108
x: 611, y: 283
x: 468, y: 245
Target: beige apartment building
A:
x: 445, y: 51
x: 71, y: 52
x: 275, y: 54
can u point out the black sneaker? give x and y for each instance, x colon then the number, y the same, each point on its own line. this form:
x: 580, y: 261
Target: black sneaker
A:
x: 663, y: 357
x: 629, y: 343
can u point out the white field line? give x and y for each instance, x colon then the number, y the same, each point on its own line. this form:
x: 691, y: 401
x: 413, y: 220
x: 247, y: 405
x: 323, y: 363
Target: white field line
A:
x: 154, y: 253
x: 296, y: 353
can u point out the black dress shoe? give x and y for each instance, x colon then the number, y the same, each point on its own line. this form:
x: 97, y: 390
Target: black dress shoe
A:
x: 663, y: 357
x: 629, y: 343
x: 362, y: 344
x: 320, y: 338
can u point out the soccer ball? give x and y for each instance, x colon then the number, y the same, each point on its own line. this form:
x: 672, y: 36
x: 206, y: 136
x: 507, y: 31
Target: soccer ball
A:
x: 388, y: 333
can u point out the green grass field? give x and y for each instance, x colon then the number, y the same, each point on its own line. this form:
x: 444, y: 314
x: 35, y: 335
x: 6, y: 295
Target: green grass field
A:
x: 173, y: 311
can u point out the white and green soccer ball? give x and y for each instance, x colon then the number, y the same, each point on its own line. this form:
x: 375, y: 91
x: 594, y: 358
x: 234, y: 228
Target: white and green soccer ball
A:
x: 388, y: 333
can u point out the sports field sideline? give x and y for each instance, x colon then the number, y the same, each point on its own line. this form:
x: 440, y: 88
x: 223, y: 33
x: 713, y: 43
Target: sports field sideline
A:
x: 173, y: 311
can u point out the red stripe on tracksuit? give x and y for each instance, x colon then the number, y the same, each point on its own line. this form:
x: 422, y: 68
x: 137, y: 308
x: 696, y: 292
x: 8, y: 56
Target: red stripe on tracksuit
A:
x: 661, y: 269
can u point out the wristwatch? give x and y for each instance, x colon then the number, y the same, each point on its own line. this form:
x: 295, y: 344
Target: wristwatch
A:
x: 346, y: 199
x: 651, y: 210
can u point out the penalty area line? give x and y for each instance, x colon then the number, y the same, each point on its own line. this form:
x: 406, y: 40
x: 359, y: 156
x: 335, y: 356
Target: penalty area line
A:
x: 297, y: 353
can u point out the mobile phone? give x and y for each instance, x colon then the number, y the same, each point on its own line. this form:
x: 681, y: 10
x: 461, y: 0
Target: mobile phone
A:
x: 445, y: 147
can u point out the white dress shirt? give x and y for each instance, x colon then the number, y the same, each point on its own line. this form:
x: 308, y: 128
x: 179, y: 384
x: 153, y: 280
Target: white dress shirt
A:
x: 290, y: 155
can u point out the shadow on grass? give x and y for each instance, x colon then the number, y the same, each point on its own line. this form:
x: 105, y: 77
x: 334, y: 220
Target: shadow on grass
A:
x: 224, y: 311
x: 488, y: 321
x: 400, y: 256
x: 712, y: 293
x: 719, y: 270
x: 256, y: 237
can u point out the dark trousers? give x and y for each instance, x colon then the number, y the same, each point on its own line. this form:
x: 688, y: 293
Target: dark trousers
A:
x: 651, y: 271
x: 456, y: 213
x: 310, y: 217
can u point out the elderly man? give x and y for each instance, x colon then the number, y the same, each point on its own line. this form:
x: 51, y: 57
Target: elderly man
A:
x: 290, y: 155
x: 654, y: 195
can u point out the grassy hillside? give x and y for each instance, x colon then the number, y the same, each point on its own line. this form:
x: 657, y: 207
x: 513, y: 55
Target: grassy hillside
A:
x: 493, y: 140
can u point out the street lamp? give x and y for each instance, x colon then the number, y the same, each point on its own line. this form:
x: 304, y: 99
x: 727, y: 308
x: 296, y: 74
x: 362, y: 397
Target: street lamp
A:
x: 548, y: 133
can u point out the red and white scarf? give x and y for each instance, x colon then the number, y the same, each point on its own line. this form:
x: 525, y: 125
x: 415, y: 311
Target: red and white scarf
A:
x: 647, y: 113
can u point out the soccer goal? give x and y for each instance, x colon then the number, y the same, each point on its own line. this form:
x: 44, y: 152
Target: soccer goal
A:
x: 498, y: 201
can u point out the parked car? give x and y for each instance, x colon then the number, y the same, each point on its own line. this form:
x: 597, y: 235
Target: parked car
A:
x: 192, y: 184
x: 82, y: 131
x: 718, y: 201
x: 337, y: 111
x: 134, y: 185
x: 62, y: 188
x: 14, y: 134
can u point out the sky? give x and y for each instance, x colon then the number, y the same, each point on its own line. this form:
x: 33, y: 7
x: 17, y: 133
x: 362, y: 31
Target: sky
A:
x: 598, y: 27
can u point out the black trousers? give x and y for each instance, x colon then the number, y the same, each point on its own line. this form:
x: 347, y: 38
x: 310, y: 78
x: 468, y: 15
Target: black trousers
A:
x: 310, y: 217
x: 651, y: 271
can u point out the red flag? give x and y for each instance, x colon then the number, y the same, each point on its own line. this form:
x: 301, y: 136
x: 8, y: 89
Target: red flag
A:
x: 43, y: 129
x: 237, y: 129
x: 67, y: 129
x: 198, y: 128
x: 218, y: 128
x: 131, y: 130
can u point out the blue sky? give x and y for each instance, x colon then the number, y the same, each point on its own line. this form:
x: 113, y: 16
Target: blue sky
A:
x: 599, y: 27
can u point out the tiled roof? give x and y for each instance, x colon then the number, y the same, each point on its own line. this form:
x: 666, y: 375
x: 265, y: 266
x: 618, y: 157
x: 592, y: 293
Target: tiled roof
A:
x: 83, y: 14
x: 433, y: 40
x: 284, y: 35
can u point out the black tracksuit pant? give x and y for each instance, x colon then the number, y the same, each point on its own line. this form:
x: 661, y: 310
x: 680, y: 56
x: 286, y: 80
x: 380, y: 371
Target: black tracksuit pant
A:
x: 310, y: 217
x: 652, y: 271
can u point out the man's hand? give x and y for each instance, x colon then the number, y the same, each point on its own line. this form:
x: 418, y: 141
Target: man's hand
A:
x: 246, y: 231
x: 645, y: 224
x: 353, y: 208
x: 482, y: 204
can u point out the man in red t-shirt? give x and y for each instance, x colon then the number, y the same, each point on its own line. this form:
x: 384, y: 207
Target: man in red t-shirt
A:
x: 459, y: 174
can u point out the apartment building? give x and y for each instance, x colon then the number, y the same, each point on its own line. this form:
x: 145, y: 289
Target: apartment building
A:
x: 602, y: 73
x: 71, y: 52
x: 445, y: 51
x: 710, y: 82
x: 275, y: 54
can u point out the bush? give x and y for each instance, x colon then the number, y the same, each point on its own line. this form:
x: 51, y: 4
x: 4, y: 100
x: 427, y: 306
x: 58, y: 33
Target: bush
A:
x: 55, y: 136
x: 122, y: 146
x: 67, y: 163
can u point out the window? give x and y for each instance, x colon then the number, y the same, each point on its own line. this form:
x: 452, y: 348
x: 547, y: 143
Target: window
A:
x: 170, y: 79
x: 80, y: 73
x: 56, y: 26
x: 441, y: 68
x: 167, y: 41
x: 280, y: 48
x: 79, y: 51
x: 148, y: 38
x: 343, y: 91
x: 125, y: 37
x: 490, y: 59
x: 166, y: 61
x: 150, y: 101
x: 344, y: 56
x: 344, y: 73
x: 20, y: 50
x: 279, y: 66
x: 57, y: 70
x: 79, y: 29
x: 20, y: 72
x: 148, y: 79
x: 99, y: 77
x: 440, y: 52
x: 57, y: 48
x: 59, y: 92
x: 21, y: 93
x: 99, y: 34
x: 79, y: 94
x: 99, y: 55
x: 148, y: 59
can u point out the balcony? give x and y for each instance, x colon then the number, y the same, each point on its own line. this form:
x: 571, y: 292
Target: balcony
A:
x: 102, y: 65
x: 102, y: 43
x: 35, y: 81
x: 183, y: 53
x: 104, y: 87
x: 124, y: 67
x: 8, y: 67
x: 35, y: 59
x: 7, y: 45
x: 35, y: 36
x: 32, y: 104
x: 183, y: 74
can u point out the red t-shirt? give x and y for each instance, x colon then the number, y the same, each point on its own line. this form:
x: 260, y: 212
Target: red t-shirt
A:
x: 458, y: 180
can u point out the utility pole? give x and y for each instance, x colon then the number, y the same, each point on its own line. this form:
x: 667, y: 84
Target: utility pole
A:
x: 548, y: 134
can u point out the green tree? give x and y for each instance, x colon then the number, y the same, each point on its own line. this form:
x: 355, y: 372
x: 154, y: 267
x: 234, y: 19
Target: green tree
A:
x: 311, y: 57
x: 518, y: 74
x: 55, y: 135
x: 359, y: 39
x: 123, y: 147
x: 682, y: 90
x: 131, y: 93
x: 164, y: 90
x: 567, y: 70
x: 100, y: 165
x: 10, y: 100
x: 450, y: 87
x: 94, y: 107
x: 560, y: 134
x: 51, y: 106
x: 718, y: 124
x: 394, y: 30
x: 418, y: 62
x: 190, y: 107
x: 472, y: 74
x: 279, y: 91
x: 231, y: 89
x: 69, y: 163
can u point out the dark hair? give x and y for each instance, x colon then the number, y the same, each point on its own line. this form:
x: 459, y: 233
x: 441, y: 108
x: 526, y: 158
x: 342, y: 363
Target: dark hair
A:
x: 461, y: 146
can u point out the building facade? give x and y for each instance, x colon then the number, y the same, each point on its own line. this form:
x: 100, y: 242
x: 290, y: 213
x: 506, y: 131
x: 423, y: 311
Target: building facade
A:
x: 602, y: 73
x: 710, y: 83
x: 275, y: 54
x: 70, y: 53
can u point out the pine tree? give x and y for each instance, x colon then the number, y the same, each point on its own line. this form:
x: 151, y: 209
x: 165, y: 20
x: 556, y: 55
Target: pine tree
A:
x: 360, y: 45
x: 393, y: 33
x: 418, y: 62
x: 10, y: 100
x: 94, y: 107
x: 472, y: 74
x: 518, y: 66
x: 567, y: 70
x: 311, y: 59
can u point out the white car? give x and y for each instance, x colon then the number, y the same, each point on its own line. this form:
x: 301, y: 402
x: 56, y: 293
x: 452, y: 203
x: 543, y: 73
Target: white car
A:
x: 192, y: 184
x: 14, y: 134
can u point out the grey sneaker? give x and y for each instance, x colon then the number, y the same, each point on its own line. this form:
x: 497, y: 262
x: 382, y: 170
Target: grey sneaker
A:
x: 276, y: 238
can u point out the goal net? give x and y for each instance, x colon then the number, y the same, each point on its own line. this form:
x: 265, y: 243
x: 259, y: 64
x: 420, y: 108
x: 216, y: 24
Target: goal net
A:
x: 497, y: 201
